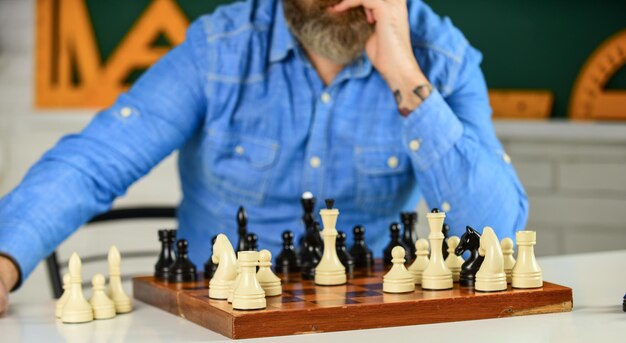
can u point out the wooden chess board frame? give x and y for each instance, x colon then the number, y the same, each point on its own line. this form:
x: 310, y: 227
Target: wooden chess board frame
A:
x: 360, y: 304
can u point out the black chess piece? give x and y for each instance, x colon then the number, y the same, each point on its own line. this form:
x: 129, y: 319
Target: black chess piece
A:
x: 394, y: 230
x: 311, y: 252
x: 624, y: 304
x: 342, y: 252
x: 287, y: 260
x: 362, y: 255
x: 446, y: 234
x: 209, y: 266
x: 182, y: 270
x: 469, y: 241
x: 166, y: 257
x: 242, y: 228
x: 409, y: 235
x: 252, y: 242
x: 308, y: 205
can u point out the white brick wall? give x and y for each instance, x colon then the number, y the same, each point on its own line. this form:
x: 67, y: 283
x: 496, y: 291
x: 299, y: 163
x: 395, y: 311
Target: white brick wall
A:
x: 575, y: 174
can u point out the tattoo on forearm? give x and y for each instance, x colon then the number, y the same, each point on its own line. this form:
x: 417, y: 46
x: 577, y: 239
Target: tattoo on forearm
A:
x: 403, y: 110
x: 398, y: 96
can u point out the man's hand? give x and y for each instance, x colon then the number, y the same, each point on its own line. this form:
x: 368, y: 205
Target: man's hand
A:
x: 390, y: 48
x: 8, y: 278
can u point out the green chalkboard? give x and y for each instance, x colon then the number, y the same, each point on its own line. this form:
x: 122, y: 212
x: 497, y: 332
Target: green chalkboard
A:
x: 532, y: 44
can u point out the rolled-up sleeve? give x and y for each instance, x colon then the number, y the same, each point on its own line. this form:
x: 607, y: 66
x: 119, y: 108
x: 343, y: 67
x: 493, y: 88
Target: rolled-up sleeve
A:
x: 459, y: 164
x: 82, y: 175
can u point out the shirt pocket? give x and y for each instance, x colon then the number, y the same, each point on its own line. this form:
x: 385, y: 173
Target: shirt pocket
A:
x: 384, y: 178
x: 239, y: 167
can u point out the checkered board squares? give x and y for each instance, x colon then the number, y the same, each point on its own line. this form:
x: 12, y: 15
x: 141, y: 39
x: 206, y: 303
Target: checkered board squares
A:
x: 359, y: 304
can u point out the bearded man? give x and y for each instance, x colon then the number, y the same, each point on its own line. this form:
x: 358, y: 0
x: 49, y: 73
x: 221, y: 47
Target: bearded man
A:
x: 370, y: 102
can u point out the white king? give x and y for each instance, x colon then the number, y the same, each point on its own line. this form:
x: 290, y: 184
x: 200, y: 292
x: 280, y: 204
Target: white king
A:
x: 330, y: 271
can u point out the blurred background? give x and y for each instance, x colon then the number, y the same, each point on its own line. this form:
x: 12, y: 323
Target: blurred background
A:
x: 556, y: 71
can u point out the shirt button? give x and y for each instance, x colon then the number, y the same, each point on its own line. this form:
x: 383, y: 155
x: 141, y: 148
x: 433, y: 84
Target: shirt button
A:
x: 445, y: 206
x: 506, y: 158
x: 126, y: 112
x: 315, y: 162
x: 392, y: 162
x: 239, y: 150
x: 414, y: 145
x: 325, y: 97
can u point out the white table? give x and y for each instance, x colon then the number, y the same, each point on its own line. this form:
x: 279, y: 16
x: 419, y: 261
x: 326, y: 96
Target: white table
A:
x: 598, y: 281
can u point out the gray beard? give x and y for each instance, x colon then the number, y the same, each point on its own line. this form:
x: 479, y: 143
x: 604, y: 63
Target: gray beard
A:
x: 340, y: 38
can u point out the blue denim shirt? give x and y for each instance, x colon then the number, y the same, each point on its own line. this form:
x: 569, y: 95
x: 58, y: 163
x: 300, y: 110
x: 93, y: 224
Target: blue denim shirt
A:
x: 255, y: 126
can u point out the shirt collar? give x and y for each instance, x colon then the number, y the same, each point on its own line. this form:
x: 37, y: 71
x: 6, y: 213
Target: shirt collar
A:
x: 282, y: 39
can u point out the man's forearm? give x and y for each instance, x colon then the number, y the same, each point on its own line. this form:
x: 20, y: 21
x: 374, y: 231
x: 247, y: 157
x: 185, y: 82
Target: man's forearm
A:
x: 408, y: 89
x: 9, y: 273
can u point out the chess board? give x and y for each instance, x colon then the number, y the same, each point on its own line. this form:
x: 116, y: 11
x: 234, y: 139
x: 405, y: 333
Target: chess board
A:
x: 360, y: 304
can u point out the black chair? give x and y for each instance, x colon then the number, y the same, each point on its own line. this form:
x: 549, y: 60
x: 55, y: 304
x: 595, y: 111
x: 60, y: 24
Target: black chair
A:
x: 52, y: 261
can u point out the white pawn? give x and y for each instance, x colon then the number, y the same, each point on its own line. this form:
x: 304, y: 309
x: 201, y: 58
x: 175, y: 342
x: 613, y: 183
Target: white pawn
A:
x: 103, y: 307
x: 268, y: 280
x: 226, y: 272
x: 526, y: 273
x: 509, y: 261
x: 454, y: 262
x: 421, y: 260
x: 122, y: 301
x: 66, y: 293
x: 436, y: 276
x: 76, y: 308
x: 249, y: 295
x: 491, y: 276
x: 398, y: 279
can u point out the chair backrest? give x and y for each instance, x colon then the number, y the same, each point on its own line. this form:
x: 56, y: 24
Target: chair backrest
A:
x: 54, y: 266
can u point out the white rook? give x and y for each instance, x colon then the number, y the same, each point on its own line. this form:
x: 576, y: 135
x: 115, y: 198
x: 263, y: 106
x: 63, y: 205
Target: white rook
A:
x: 526, y: 273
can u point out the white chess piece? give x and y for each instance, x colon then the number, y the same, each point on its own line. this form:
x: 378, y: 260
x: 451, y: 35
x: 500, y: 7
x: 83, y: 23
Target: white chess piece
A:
x: 226, y: 272
x: 509, y: 261
x: 249, y: 295
x: 268, y: 280
x: 398, y: 279
x: 491, y: 276
x: 103, y: 307
x: 454, y: 262
x: 436, y: 276
x: 421, y: 260
x: 231, y: 292
x: 76, y: 308
x: 66, y: 292
x: 329, y: 271
x: 526, y: 273
x: 122, y: 301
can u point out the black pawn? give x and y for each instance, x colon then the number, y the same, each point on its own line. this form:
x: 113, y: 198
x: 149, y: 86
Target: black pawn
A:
x: 182, y: 270
x: 242, y: 228
x: 446, y: 234
x: 394, y: 231
x: 469, y: 241
x: 287, y: 260
x: 166, y: 257
x: 252, y: 242
x: 209, y: 266
x: 342, y: 252
x: 409, y: 236
x: 362, y: 255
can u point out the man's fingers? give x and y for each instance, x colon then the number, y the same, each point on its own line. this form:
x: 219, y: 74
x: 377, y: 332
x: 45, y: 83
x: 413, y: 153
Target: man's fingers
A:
x: 370, y: 16
x: 368, y: 4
